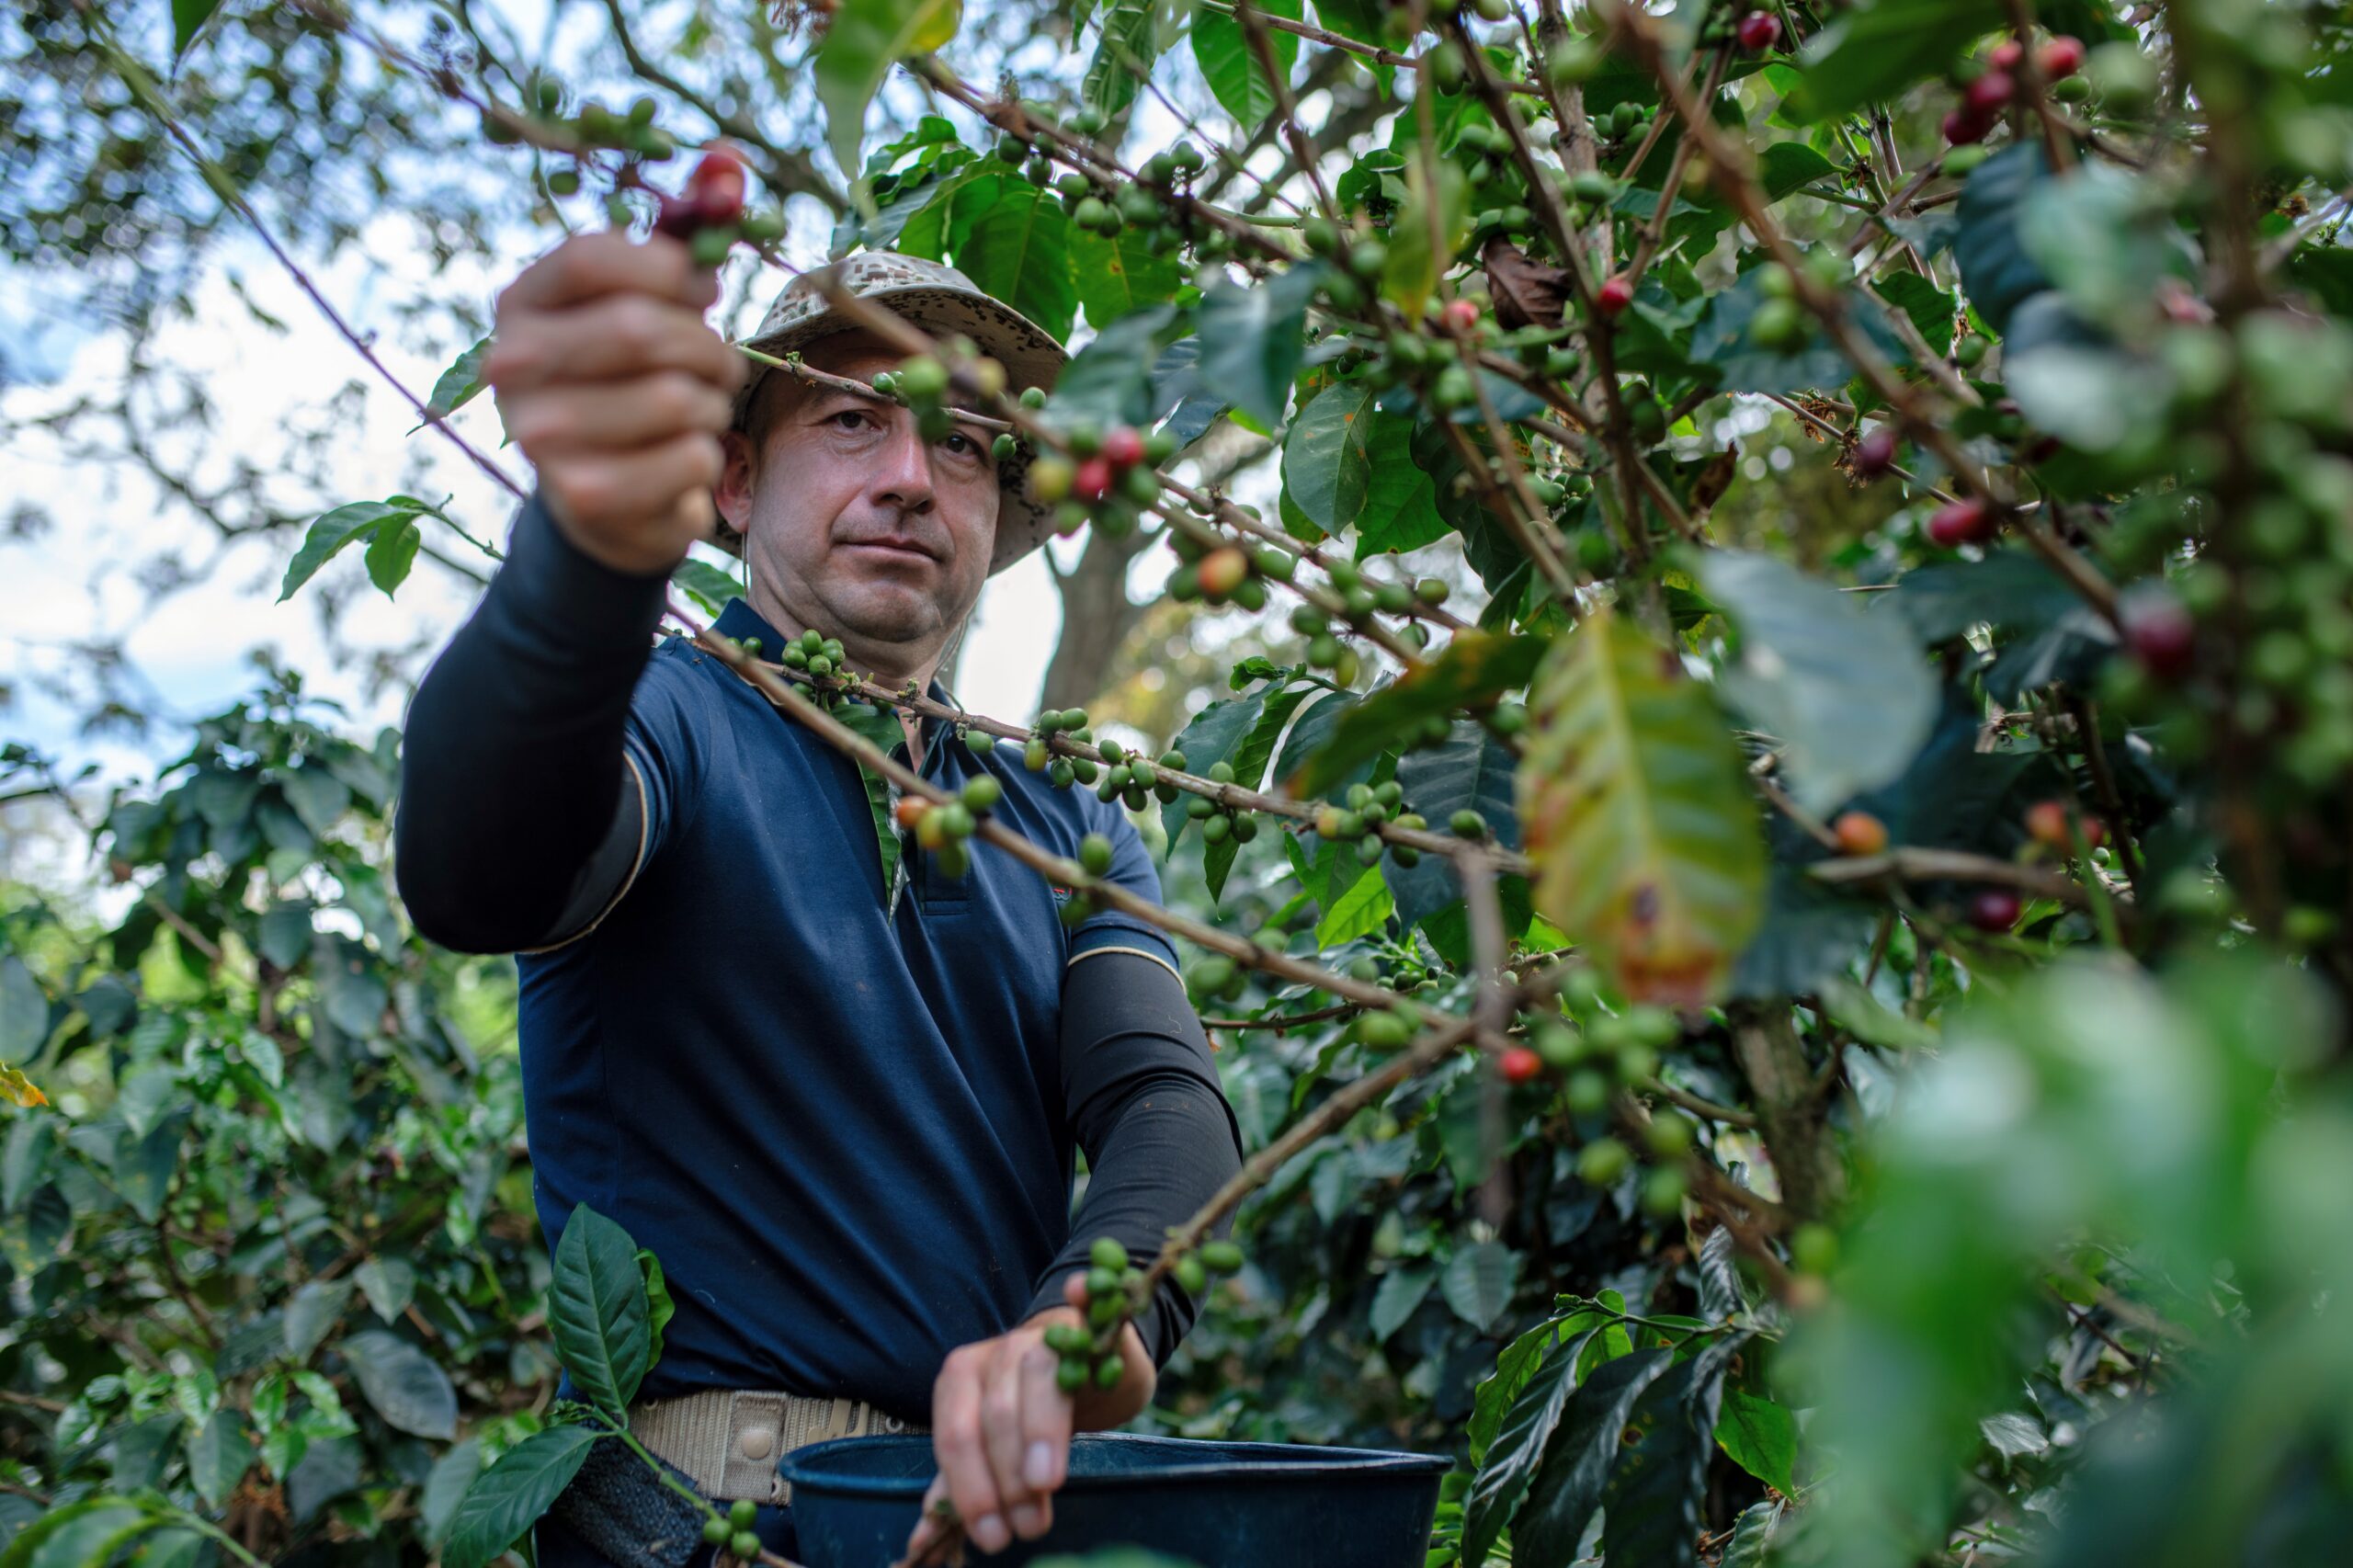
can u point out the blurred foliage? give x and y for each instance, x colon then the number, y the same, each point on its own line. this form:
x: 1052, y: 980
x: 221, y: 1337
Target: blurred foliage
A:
x: 1936, y: 1149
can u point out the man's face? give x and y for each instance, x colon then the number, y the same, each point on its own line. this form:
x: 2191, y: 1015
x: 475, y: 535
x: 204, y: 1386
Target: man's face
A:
x: 853, y: 523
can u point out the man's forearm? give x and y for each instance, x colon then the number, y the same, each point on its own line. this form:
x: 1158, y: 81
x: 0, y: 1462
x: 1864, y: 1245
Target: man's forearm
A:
x: 513, y: 814
x: 1159, y: 1136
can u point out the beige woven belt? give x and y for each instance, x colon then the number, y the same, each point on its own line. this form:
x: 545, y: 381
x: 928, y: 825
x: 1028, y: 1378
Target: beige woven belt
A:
x: 728, y: 1440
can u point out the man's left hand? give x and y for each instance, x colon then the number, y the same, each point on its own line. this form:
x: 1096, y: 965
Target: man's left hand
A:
x: 1001, y: 1428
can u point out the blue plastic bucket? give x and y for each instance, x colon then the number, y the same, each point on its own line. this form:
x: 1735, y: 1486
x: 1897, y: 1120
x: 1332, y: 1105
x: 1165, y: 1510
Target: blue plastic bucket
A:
x: 1214, y: 1504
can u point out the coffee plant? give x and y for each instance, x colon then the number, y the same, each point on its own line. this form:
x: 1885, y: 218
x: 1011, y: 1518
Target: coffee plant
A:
x: 1783, y: 1011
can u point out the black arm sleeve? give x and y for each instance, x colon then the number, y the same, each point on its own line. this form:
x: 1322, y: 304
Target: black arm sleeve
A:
x: 516, y: 821
x: 1159, y: 1136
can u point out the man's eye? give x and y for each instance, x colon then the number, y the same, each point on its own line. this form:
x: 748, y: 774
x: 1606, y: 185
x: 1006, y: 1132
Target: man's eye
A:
x: 853, y: 414
x: 962, y: 444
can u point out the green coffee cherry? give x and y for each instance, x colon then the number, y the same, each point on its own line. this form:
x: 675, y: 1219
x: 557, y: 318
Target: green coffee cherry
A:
x: 1102, y: 1281
x: 982, y: 793
x: 746, y: 1545
x: 1602, y: 1161
x: 716, y: 1530
x: 1109, y: 1371
x: 1221, y: 1257
x: 1191, y: 1277
x: 1107, y: 1253
x: 1071, y: 1376
x: 743, y: 1512
x: 1035, y: 756
x: 1468, y: 824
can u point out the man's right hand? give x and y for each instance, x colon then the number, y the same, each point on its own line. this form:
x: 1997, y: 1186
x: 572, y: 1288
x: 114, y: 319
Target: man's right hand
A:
x: 608, y: 379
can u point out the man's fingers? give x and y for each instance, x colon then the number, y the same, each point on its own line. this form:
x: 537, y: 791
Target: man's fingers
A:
x: 1001, y: 1435
x: 1074, y: 1289
x: 957, y: 1444
x: 592, y: 489
x: 927, y: 1529
x: 613, y: 338
x: 609, y: 262
x: 613, y: 415
x: 1045, y: 1429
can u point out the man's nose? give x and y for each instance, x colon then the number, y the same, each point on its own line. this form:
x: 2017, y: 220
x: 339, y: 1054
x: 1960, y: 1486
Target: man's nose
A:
x: 903, y: 473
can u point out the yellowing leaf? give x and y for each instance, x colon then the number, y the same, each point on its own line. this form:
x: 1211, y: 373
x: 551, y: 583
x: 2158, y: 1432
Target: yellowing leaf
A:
x: 1413, y: 271
x: 1635, y: 806
x: 19, y: 1090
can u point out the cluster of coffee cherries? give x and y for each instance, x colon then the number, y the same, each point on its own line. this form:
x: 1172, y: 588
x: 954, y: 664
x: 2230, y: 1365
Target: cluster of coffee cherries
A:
x: 1609, y: 1055
x: 1366, y: 807
x: 1090, y: 1352
x: 732, y: 1532
x: 1109, y: 207
x: 946, y: 827
x: 1219, y: 821
x: 709, y: 215
x: 922, y: 381
x: 1108, y: 479
x: 1990, y: 85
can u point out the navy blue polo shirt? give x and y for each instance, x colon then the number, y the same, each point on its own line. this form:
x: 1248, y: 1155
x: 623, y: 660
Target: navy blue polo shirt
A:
x: 836, y: 1116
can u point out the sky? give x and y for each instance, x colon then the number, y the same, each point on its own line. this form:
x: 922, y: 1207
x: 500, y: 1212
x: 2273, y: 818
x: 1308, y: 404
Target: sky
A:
x: 78, y: 580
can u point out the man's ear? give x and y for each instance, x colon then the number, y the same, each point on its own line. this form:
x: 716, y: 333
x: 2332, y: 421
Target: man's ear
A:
x: 732, y: 493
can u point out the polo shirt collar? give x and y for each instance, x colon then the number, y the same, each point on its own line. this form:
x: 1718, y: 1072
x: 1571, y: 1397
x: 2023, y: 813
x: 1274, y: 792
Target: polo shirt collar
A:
x: 739, y: 621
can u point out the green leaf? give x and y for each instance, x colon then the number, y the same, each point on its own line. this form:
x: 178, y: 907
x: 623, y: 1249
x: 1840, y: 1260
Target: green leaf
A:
x: 1316, y: 725
x: 32, y: 1143
x: 864, y: 40
x: 391, y: 1285
x: 1477, y: 1282
x: 1413, y: 269
x: 1844, y: 691
x: 709, y: 587
x: 1760, y: 1436
x: 660, y: 1308
x: 1871, y: 53
x: 311, y: 1312
x: 1931, y: 309
x: 407, y: 1389
x: 1997, y: 272
x: 1134, y: 34
x: 1471, y: 772
x: 499, y: 1507
x: 1752, y: 1533
x: 144, y: 1167
x: 1363, y: 909
x: 393, y: 551
x: 1522, y: 1428
x: 600, y: 1313
x: 1019, y: 252
x: 1651, y: 1511
x: 285, y: 937
x: 1237, y: 78
x: 1212, y: 737
x: 458, y: 386
x: 1109, y: 382
x: 1400, y: 1290
x: 85, y: 1534
x: 331, y: 533
x: 1475, y: 668
x: 446, y: 1485
x: 218, y: 1454
x: 1327, y: 461
x: 1117, y: 276
x: 1400, y: 510
x: 1579, y: 1461
x: 24, y: 1012
x: 188, y: 18
x: 1514, y: 1368
x: 1787, y: 166
x: 1634, y: 805
x: 318, y: 797
x: 1252, y: 339
x: 1249, y: 762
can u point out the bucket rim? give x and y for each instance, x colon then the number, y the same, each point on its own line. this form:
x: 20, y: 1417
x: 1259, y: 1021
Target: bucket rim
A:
x: 802, y: 1468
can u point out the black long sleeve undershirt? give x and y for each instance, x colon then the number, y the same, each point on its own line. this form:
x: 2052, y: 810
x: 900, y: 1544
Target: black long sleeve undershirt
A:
x: 1159, y: 1136
x: 515, y: 828
x: 513, y: 825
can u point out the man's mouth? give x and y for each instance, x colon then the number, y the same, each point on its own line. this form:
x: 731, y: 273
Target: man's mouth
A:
x: 908, y: 548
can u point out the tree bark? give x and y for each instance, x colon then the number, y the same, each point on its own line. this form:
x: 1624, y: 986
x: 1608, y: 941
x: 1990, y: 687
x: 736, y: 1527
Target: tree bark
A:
x: 1805, y: 1156
x: 1097, y: 614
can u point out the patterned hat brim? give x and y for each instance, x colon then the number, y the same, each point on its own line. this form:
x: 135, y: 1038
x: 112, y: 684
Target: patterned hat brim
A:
x: 1029, y: 354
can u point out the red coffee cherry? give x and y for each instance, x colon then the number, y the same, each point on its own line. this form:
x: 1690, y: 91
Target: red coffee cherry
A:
x: 1615, y: 295
x: 1518, y: 1064
x: 1966, y: 522
x: 1759, y: 31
